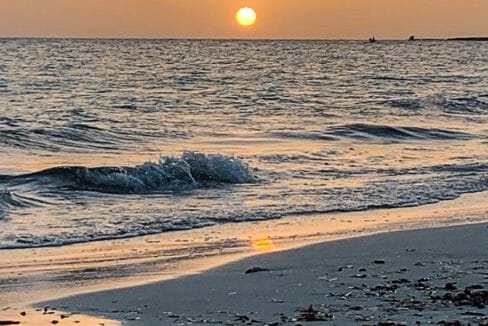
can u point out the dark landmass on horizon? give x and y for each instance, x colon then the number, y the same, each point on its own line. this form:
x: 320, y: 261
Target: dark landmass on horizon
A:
x: 468, y: 39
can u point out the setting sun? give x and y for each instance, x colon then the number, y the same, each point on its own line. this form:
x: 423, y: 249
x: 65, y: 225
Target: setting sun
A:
x: 246, y: 16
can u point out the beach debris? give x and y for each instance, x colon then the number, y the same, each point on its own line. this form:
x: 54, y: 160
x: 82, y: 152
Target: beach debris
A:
x: 9, y: 322
x: 257, y: 270
x: 274, y: 300
x: 449, y: 323
x: 420, y: 284
x: 246, y: 319
x: 473, y: 313
x: 450, y: 287
x: 468, y: 297
x: 23, y: 313
x: 47, y: 312
x: 243, y: 318
x: 391, y: 323
x: 311, y: 314
x: 400, y: 281
x: 475, y: 287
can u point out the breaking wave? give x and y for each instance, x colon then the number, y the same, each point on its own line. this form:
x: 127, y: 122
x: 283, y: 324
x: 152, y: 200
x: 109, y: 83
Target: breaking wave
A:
x: 191, y: 170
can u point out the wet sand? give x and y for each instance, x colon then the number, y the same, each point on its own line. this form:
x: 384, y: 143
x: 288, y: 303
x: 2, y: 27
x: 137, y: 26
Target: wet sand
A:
x: 436, y: 276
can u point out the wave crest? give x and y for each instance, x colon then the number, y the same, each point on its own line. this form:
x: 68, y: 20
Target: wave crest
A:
x: 363, y: 131
x: 373, y: 132
x: 191, y: 170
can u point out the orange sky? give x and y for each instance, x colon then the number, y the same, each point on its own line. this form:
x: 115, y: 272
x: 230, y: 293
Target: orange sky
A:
x: 215, y: 18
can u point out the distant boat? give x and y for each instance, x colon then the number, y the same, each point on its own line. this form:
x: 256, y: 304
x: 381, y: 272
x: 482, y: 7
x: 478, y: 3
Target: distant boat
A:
x: 411, y: 38
x: 372, y: 39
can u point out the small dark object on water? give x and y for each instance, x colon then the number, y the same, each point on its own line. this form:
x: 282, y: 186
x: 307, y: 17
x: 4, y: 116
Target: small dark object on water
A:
x: 9, y: 322
x: 257, y: 270
x: 372, y: 39
x: 379, y: 261
x: 411, y: 38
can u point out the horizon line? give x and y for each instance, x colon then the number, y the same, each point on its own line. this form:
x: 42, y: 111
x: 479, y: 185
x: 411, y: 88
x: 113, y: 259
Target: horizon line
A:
x: 208, y: 39
x: 235, y: 39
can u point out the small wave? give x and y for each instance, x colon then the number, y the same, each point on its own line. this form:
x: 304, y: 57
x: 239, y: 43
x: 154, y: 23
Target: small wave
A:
x: 413, y: 104
x: 388, y: 78
x: 462, y: 105
x: 370, y: 132
x: 191, y: 170
x: 10, y: 201
x: 73, y: 137
x: 311, y: 135
x: 361, y: 131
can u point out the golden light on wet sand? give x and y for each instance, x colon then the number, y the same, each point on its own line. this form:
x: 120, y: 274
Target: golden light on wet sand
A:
x: 246, y: 16
x: 263, y: 244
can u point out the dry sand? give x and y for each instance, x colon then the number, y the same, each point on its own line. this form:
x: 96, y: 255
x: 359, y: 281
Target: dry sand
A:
x: 430, y: 276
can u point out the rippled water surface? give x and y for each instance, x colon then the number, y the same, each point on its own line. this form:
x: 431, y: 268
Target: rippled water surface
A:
x: 114, y: 138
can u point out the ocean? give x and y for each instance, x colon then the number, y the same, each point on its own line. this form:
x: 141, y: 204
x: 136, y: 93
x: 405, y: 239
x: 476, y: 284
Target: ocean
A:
x: 106, y: 139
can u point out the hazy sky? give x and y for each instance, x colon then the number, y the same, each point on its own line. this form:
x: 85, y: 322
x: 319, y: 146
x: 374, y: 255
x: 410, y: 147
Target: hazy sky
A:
x: 215, y: 18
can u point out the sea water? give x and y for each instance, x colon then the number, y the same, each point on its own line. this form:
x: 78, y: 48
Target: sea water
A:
x: 103, y: 139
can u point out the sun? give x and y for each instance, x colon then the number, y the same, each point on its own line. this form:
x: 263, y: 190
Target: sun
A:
x: 246, y: 16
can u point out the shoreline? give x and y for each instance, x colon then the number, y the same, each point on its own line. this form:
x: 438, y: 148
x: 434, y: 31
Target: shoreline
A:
x: 82, y: 269
x: 403, y: 276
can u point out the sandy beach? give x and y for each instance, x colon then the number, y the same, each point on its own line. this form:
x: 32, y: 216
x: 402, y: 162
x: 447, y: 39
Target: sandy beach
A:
x: 432, y: 276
